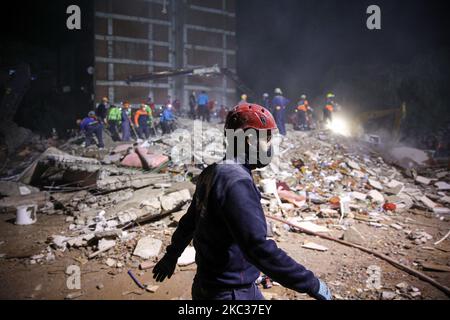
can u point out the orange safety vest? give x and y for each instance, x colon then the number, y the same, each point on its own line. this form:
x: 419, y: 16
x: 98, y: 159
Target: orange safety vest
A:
x: 138, y: 114
x: 302, y: 108
x: 329, y: 107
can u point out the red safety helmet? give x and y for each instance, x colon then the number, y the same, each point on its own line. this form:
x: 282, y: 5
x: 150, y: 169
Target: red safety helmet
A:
x: 250, y: 115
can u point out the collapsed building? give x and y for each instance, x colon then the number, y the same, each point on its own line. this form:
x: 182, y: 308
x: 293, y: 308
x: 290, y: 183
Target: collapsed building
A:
x: 119, y: 207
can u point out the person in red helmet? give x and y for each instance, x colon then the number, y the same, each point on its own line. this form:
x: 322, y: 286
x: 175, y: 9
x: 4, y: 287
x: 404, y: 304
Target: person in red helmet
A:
x: 227, y: 224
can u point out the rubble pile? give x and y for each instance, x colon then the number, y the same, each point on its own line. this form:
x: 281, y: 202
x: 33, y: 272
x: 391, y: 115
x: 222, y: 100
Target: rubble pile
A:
x: 122, y: 204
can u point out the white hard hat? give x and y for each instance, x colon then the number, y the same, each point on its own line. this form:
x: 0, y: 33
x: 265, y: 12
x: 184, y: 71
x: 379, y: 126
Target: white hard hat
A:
x: 278, y: 91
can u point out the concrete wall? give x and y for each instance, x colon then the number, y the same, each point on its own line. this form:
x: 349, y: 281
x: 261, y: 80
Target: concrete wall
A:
x: 136, y: 37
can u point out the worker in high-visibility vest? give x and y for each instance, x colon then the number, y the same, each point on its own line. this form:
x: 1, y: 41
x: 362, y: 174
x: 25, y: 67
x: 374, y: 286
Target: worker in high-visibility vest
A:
x: 302, y: 113
x: 114, y: 118
x: 329, y: 108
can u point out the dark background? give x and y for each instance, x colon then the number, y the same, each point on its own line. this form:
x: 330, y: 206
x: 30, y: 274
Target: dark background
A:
x: 301, y: 46
x: 315, y: 47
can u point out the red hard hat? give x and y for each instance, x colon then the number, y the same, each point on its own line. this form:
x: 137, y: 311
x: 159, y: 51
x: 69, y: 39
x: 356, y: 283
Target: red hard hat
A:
x: 249, y: 115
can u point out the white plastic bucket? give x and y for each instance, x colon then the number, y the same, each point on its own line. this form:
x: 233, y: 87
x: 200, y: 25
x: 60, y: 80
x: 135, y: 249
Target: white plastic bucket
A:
x: 26, y: 214
x: 269, y: 186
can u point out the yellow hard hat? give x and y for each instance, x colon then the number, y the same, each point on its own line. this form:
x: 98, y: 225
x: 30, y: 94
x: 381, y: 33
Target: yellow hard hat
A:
x: 330, y: 95
x: 244, y: 97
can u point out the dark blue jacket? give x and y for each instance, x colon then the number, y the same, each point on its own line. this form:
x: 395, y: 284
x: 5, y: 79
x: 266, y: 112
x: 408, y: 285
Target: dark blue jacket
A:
x: 87, y: 123
x: 228, y: 226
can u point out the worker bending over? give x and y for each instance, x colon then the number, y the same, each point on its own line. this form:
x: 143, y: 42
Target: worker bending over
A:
x: 91, y: 126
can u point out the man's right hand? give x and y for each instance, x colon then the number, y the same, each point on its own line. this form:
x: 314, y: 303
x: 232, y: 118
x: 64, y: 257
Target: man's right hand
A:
x: 164, y: 268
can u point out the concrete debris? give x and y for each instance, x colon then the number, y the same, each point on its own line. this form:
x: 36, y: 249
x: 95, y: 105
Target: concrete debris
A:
x: 388, y: 295
x: 172, y: 200
x: 376, y: 196
x: 358, y: 196
x: 314, y: 246
x: 375, y: 184
x: 151, y: 289
x: 354, y: 236
x: 423, y: 180
x: 187, y: 257
x: 11, y: 188
x: 123, y: 203
x: 442, y: 186
x: 420, y: 237
x: 111, y: 262
x: 147, y: 248
x: 428, y: 203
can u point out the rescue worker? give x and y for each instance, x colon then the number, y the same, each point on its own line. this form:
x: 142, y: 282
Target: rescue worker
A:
x: 329, y: 108
x: 192, y: 106
x: 244, y: 98
x: 141, y: 119
x: 227, y: 224
x: 202, y: 102
x: 279, y: 104
x: 113, y: 119
x: 266, y: 101
x: 166, y: 119
x: 91, y: 126
x: 150, y: 122
x: 302, y: 113
x: 126, y: 122
x: 102, y: 110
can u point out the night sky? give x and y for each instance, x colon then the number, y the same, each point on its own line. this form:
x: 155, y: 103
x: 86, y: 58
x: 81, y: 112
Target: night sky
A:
x: 292, y: 44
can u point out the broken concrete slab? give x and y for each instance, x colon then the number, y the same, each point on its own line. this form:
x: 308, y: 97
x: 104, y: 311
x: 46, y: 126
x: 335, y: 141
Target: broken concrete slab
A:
x: 172, y: 200
x: 442, y: 186
x: 428, y: 203
x: 307, y: 225
x: 11, y: 188
x: 354, y: 165
x: 358, y: 196
x: 354, y: 236
x: 376, y: 196
x: 148, y: 247
x: 375, y: 184
x: 314, y: 246
x: 135, y: 181
x: 423, y: 180
x: 187, y: 257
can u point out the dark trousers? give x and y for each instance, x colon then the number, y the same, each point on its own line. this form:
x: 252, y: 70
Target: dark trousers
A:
x: 143, y: 131
x: 327, y: 116
x: 113, y: 128
x: 167, y: 127
x: 96, y: 130
x: 126, y: 131
x: 302, y: 122
x: 203, y: 112
x: 192, y: 113
x: 281, y: 124
x: 200, y: 292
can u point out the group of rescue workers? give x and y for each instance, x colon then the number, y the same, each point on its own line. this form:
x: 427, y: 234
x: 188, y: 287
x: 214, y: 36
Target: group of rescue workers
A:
x: 123, y: 123
x: 302, y: 115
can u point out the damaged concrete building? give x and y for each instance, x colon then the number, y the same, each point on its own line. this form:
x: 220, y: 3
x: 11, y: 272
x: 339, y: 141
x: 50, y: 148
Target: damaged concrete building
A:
x: 143, y: 36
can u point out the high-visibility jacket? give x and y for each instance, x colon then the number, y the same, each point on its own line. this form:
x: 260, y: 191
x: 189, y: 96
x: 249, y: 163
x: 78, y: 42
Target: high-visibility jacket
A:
x: 141, y: 117
x: 115, y: 114
x: 303, y: 106
x: 329, y: 107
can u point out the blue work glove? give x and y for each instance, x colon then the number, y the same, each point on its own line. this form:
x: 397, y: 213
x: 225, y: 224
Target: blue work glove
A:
x: 324, y: 292
x: 164, y: 268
